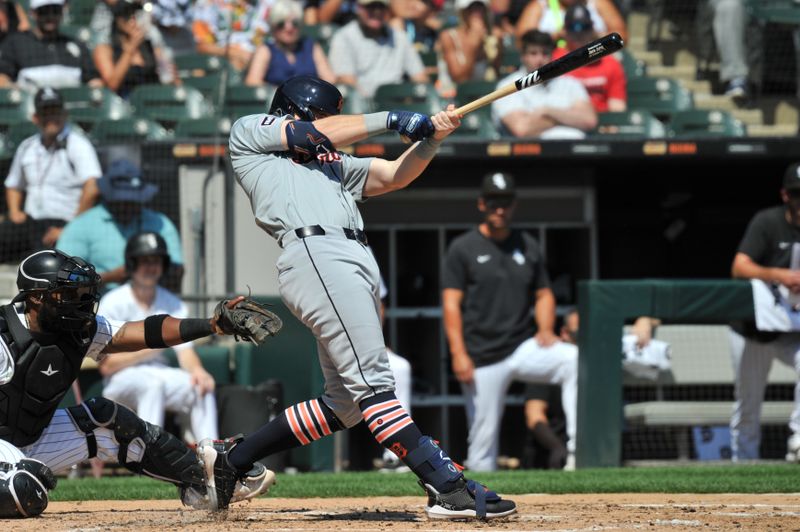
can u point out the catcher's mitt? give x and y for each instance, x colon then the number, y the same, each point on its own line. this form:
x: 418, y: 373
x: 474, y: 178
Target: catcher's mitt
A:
x: 248, y: 320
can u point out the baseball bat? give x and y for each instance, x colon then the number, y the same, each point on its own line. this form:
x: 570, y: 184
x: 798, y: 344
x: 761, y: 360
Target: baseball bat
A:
x: 575, y: 59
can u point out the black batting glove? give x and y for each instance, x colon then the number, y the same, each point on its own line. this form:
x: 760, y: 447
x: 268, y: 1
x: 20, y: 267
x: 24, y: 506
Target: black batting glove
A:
x: 411, y: 125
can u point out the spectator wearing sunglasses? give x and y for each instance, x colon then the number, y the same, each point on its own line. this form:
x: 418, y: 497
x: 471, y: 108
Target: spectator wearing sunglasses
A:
x: 367, y: 52
x: 287, y: 54
x: 499, y: 318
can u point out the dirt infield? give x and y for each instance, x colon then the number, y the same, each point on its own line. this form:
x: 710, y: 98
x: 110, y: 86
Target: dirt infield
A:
x: 400, y: 514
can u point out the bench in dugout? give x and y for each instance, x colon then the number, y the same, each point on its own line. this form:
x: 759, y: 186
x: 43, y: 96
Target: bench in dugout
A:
x: 702, y: 372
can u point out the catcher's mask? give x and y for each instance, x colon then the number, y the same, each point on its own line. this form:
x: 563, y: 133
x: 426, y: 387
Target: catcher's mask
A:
x: 308, y: 97
x: 68, y: 290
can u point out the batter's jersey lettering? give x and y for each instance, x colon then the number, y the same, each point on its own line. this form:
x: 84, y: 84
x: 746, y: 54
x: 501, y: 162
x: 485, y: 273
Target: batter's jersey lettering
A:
x: 499, y: 281
x: 284, y: 194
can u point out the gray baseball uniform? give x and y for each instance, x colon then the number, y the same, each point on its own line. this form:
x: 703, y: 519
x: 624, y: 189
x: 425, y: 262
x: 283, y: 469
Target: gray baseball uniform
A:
x: 330, y: 281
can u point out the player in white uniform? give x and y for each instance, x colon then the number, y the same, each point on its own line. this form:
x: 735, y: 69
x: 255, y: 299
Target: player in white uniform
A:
x: 143, y: 380
x: 303, y: 193
x: 45, y: 333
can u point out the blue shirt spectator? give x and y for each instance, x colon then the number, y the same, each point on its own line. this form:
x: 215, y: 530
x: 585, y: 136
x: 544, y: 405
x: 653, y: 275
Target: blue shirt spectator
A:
x: 99, y: 235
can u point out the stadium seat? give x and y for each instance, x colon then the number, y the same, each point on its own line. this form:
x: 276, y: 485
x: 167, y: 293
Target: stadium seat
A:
x: 634, y: 68
x: 477, y: 125
x: 6, y: 150
x: 88, y: 105
x: 15, y: 106
x: 511, y: 61
x: 354, y: 103
x: 629, y: 125
x: 706, y: 123
x: 196, y: 65
x: 82, y: 34
x: 660, y: 96
x: 243, y: 100
x: 419, y: 97
x: 205, y: 128
x: 168, y: 104
x: 472, y: 90
x: 209, y: 85
x: 126, y: 130
x: 19, y: 132
x: 775, y: 11
x: 79, y: 12
x: 321, y: 33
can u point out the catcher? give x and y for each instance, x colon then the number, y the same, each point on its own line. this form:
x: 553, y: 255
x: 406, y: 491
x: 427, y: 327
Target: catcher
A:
x: 45, y: 332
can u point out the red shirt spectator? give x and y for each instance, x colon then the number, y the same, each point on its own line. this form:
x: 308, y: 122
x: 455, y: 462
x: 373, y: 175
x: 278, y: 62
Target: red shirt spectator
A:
x: 604, y: 81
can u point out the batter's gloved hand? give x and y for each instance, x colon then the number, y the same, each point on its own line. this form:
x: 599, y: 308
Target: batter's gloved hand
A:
x: 246, y: 319
x: 412, y: 126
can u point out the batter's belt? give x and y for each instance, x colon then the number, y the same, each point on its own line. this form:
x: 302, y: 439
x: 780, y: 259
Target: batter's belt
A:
x: 317, y: 230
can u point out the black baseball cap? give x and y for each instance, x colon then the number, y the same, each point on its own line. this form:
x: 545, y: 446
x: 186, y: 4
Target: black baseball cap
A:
x: 47, y: 97
x: 791, y: 178
x: 577, y: 19
x: 498, y: 184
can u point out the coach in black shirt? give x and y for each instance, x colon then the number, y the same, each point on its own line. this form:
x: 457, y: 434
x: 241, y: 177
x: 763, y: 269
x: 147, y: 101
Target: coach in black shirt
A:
x: 43, y: 57
x: 765, y: 253
x: 494, y: 276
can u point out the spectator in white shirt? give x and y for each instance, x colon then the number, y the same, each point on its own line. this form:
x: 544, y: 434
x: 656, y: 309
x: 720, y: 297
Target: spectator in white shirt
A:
x: 52, y: 179
x: 142, y: 380
x: 557, y: 109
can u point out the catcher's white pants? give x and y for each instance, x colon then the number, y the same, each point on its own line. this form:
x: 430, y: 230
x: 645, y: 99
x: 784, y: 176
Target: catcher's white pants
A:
x: 63, y: 445
x: 150, y: 390
x: 751, y: 364
x: 485, y: 397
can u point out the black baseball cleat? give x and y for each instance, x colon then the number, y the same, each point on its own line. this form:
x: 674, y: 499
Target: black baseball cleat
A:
x: 227, y: 484
x: 469, y: 500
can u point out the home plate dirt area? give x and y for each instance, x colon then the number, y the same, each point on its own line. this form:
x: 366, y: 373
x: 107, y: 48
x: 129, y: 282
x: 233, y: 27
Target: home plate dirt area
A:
x: 398, y: 514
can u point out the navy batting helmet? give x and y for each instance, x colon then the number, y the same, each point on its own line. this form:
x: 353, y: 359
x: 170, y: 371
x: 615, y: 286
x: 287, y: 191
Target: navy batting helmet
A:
x: 308, y: 97
x: 145, y: 244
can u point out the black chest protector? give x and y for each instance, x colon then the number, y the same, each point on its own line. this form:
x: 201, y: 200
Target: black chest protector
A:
x: 43, y: 374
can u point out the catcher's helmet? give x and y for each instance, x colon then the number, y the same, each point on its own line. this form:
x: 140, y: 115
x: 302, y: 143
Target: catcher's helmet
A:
x: 69, y: 286
x: 307, y: 97
x: 145, y: 244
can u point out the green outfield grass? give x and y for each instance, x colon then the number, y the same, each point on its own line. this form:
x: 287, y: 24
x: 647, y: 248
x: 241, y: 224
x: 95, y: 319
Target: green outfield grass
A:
x: 709, y: 479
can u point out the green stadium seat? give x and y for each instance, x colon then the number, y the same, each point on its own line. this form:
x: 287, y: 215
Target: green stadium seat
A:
x: 205, y: 128
x: 79, y: 12
x: 660, y: 96
x: 477, y: 125
x: 471, y: 90
x: 168, y: 104
x: 15, y: 106
x: 209, y: 86
x: 195, y: 65
x: 242, y: 100
x: 321, y: 33
x: 215, y: 359
x: 511, y: 61
x: 126, y: 130
x: 354, y: 103
x: 634, y: 68
x: 706, y: 123
x: 6, y: 149
x: 19, y: 132
x: 629, y: 125
x: 88, y: 105
x: 82, y: 34
x: 775, y: 11
x: 419, y: 97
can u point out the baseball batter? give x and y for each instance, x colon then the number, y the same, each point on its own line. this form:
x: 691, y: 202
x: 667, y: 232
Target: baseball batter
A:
x: 45, y: 333
x: 303, y: 193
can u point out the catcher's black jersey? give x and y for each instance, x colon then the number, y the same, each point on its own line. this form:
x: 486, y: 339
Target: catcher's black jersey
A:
x: 499, y: 281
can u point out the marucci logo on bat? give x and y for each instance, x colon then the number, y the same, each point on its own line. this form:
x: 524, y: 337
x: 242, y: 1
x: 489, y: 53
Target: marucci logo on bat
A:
x: 528, y: 81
